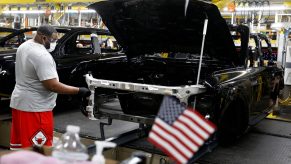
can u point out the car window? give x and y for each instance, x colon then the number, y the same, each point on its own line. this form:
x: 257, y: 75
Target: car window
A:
x: 264, y: 43
x: 14, y: 42
x: 83, y: 41
x: 79, y: 44
x: 17, y: 40
x: 252, y: 44
x: 236, y: 38
x: 90, y: 44
x: 108, y: 42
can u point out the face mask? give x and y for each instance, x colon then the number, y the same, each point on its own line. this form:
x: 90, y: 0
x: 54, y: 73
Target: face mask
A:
x: 46, y: 45
x: 52, y: 47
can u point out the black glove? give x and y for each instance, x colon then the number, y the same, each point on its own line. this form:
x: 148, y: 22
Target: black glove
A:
x: 84, y: 92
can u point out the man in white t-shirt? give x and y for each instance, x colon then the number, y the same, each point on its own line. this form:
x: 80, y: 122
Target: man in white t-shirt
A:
x: 36, y: 89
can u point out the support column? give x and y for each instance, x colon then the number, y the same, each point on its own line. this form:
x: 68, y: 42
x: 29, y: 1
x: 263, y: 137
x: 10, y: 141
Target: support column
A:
x: 276, y: 17
x: 38, y: 21
x: 80, y: 18
x: 259, y: 21
x: 232, y: 18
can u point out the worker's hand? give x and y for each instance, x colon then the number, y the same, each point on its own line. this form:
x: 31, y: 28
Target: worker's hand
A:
x: 84, y: 92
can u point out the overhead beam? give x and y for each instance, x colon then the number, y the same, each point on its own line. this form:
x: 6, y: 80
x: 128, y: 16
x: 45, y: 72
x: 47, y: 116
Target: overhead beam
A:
x: 4, y: 2
x: 69, y: 1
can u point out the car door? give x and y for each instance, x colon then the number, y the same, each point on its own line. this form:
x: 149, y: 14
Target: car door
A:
x: 260, y: 96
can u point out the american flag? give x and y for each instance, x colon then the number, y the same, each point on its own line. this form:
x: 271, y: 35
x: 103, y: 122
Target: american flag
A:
x: 179, y: 131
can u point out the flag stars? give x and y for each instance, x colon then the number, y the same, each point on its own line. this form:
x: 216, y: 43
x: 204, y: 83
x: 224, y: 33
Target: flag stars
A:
x: 170, y: 109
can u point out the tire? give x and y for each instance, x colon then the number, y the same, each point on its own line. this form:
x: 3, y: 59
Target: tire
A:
x: 233, y: 124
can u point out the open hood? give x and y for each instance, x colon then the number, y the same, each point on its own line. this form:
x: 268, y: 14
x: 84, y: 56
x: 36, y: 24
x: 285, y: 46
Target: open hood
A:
x: 149, y: 26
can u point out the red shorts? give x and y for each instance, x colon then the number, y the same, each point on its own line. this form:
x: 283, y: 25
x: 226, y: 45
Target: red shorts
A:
x: 31, y: 128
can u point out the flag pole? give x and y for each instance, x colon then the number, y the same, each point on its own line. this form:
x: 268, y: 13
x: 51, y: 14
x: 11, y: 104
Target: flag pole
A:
x: 201, y: 54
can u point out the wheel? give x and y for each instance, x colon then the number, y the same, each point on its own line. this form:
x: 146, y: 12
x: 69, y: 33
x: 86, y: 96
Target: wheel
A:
x: 233, y: 123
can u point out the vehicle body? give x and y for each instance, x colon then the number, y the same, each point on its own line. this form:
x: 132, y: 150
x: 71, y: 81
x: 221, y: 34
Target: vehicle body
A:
x: 237, y: 96
x: 75, y: 45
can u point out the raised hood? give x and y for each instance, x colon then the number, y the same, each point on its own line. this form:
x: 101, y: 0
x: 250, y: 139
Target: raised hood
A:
x: 149, y: 26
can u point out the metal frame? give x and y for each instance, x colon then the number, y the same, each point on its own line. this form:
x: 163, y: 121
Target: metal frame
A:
x: 182, y: 93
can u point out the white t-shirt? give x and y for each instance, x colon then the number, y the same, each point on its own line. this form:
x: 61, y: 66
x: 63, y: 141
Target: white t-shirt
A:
x: 33, y: 65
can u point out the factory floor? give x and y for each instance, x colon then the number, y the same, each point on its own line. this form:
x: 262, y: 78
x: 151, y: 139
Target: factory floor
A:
x: 268, y: 142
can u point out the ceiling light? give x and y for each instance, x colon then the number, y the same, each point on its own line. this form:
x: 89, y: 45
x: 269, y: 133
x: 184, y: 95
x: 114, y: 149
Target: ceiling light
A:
x: 272, y: 8
x: 23, y: 12
x: 43, y: 11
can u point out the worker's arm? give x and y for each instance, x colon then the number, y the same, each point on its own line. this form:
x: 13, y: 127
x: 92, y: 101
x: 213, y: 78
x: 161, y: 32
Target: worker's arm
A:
x: 55, y: 86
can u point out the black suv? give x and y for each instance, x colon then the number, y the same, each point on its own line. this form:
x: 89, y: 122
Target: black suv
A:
x: 163, y: 45
x: 75, y: 46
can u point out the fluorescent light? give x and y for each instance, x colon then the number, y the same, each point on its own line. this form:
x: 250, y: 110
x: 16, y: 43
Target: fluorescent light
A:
x: 24, y: 12
x: 43, y: 11
x: 81, y: 11
x: 225, y: 13
x: 273, y: 8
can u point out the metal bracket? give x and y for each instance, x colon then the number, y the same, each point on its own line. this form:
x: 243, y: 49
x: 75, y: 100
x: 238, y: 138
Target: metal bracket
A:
x: 102, y: 124
x: 181, y: 92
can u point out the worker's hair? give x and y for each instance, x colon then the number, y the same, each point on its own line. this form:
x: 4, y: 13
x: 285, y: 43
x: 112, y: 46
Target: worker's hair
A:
x: 46, y: 30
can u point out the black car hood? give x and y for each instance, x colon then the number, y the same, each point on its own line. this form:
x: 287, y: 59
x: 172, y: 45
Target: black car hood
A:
x: 149, y: 26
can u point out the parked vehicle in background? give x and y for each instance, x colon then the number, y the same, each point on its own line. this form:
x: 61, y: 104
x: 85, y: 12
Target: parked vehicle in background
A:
x: 267, y: 50
x: 75, y: 45
x: 259, y: 46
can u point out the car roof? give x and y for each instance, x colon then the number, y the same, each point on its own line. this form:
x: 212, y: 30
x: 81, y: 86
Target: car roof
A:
x: 6, y: 29
x: 62, y: 29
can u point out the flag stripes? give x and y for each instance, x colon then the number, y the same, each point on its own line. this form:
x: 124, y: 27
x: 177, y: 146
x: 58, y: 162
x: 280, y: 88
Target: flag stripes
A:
x: 184, y: 151
x: 197, y: 117
x: 183, y: 139
x: 156, y: 140
x: 178, y: 134
x: 188, y: 133
x: 191, y: 149
x: 199, y: 130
